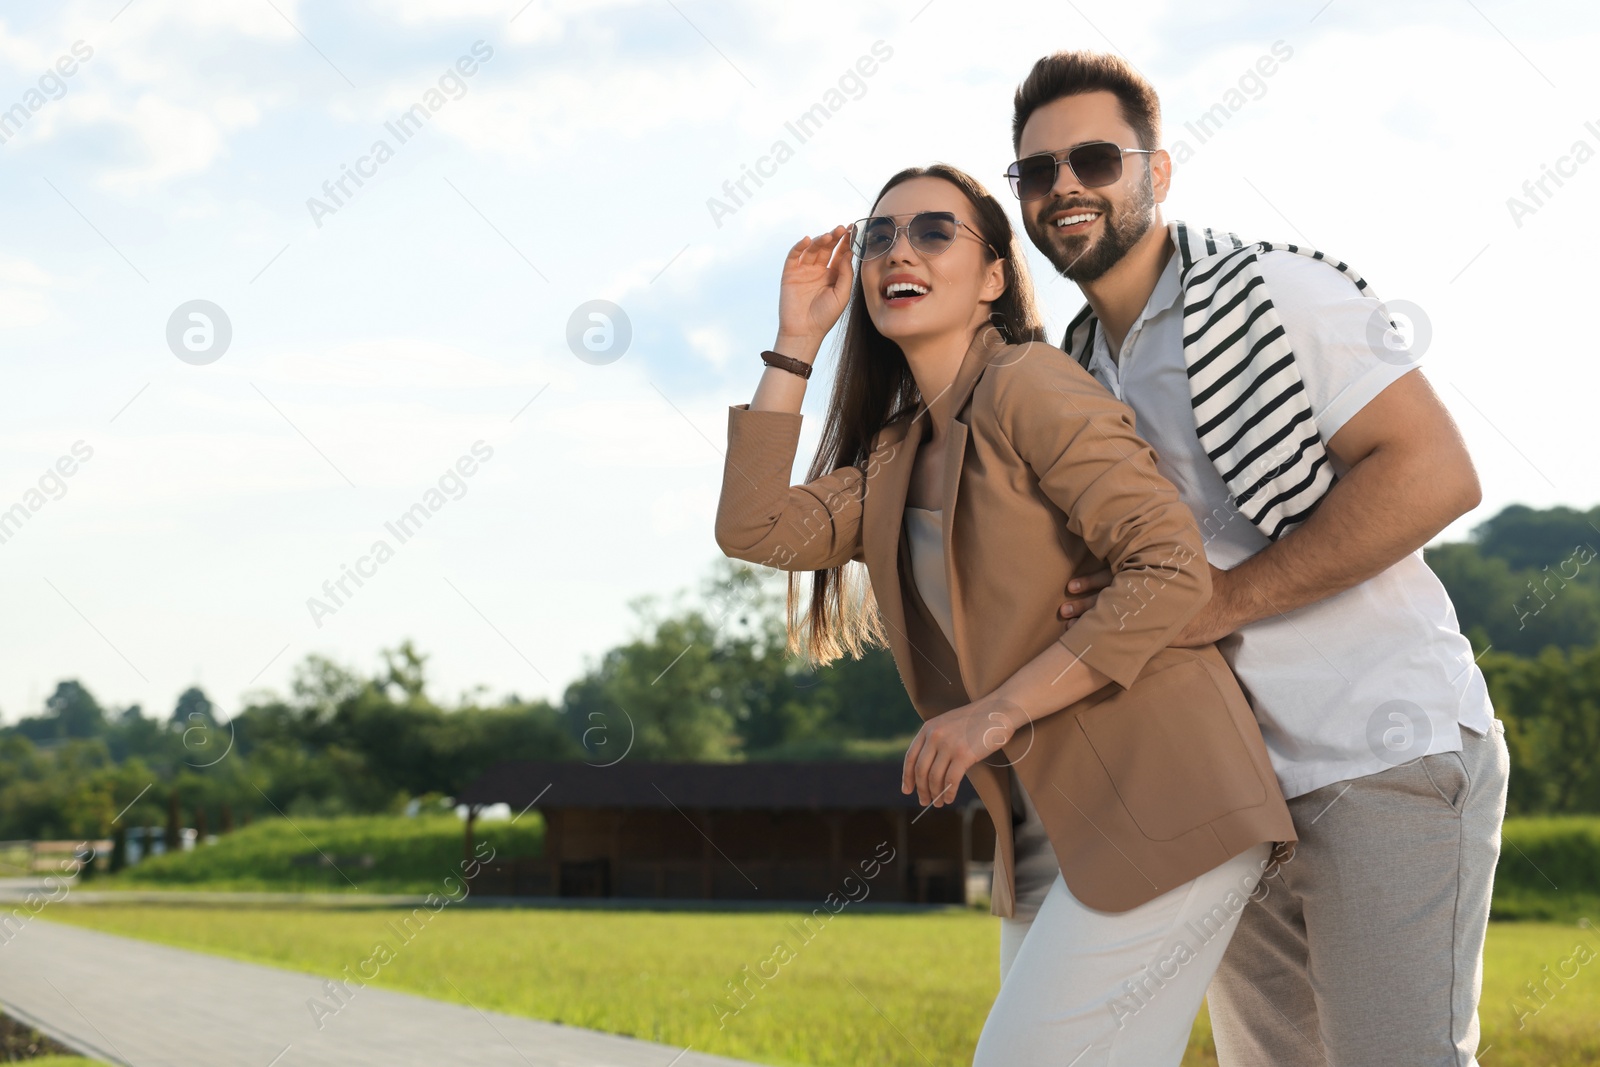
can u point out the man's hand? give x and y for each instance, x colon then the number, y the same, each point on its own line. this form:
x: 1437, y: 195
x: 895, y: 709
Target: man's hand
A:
x: 948, y: 744
x: 1083, y: 591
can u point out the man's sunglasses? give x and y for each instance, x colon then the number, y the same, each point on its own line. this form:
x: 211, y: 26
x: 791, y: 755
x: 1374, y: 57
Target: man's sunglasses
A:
x: 930, y: 232
x: 1097, y: 163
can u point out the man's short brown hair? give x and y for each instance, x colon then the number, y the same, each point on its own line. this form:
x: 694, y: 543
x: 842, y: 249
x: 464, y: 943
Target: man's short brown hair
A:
x: 1070, y: 73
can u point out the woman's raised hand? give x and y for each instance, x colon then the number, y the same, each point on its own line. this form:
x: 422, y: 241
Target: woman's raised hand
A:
x: 817, y: 276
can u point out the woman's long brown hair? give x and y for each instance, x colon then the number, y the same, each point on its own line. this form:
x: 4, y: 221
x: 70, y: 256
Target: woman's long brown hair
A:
x: 873, y: 387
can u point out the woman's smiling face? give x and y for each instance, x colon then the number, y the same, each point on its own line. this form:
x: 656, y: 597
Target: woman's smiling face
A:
x: 911, y: 294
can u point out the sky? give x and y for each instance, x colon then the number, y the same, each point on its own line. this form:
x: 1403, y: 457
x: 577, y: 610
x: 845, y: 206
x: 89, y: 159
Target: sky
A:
x: 191, y: 475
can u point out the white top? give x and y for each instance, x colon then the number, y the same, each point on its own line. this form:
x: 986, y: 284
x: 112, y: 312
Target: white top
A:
x: 1357, y: 683
x: 924, y: 526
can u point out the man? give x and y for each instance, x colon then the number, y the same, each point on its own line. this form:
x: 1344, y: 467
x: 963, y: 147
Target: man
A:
x: 1318, y: 462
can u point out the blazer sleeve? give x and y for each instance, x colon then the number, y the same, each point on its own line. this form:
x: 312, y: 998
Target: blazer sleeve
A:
x: 1080, y: 442
x: 763, y: 519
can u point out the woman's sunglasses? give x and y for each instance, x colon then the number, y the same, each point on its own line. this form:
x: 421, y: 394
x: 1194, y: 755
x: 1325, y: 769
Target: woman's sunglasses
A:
x: 1097, y: 163
x: 930, y: 233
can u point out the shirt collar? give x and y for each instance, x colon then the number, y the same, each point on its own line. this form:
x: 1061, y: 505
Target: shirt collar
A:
x: 1167, y: 289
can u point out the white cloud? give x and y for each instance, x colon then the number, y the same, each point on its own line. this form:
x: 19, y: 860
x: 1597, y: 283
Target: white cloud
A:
x: 15, y: 271
x: 172, y: 139
x: 714, y: 344
x: 25, y: 300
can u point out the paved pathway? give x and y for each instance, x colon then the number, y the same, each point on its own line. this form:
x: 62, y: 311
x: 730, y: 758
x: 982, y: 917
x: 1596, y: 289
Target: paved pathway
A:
x: 14, y: 891
x: 140, y: 1004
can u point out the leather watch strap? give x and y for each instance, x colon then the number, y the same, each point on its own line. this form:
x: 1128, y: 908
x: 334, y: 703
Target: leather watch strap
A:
x: 788, y: 363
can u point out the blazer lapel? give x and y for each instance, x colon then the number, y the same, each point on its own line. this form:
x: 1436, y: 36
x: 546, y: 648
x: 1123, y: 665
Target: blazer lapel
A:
x: 987, y: 345
x: 987, y: 348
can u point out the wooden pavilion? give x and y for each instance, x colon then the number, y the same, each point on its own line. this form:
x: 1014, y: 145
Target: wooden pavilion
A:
x: 790, y: 831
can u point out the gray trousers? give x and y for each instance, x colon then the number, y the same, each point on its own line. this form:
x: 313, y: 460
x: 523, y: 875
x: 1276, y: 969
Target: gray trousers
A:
x: 1367, y: 948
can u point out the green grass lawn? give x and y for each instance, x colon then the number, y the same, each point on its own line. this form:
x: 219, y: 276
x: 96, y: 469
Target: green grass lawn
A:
x: 884, y: 989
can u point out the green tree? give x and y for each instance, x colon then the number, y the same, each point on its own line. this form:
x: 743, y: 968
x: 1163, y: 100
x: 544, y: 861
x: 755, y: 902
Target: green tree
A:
x: 70, y: 711
x: 1551, y: 707
x: 1527, y: 580
x: 663, y: 696
x: 1529, y: 538
x: 193, y: 702
x: 76, y: 710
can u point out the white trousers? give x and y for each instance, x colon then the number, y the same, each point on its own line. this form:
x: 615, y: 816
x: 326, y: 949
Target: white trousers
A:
x: 1087, y: 988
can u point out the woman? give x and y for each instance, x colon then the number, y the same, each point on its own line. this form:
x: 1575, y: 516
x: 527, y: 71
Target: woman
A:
x: 975, y: 470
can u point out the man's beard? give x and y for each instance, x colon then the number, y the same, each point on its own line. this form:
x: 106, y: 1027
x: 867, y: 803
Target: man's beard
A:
x: 1123, y: 229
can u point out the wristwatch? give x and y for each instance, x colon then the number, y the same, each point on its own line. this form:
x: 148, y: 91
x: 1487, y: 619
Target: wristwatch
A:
x: 788, y: 363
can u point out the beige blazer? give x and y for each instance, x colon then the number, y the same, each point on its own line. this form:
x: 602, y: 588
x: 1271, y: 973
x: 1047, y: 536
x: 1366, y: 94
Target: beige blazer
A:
x: 1147, y: 783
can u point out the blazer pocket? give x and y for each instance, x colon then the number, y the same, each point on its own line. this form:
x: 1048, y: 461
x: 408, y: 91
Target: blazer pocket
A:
x: 1173, y: 752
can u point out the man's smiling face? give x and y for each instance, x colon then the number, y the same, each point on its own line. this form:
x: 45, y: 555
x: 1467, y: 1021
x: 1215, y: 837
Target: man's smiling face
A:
x: 1084, y: 232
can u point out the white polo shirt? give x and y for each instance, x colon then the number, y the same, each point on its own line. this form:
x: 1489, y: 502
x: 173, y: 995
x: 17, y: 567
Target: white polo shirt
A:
x: 1375, y: 676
